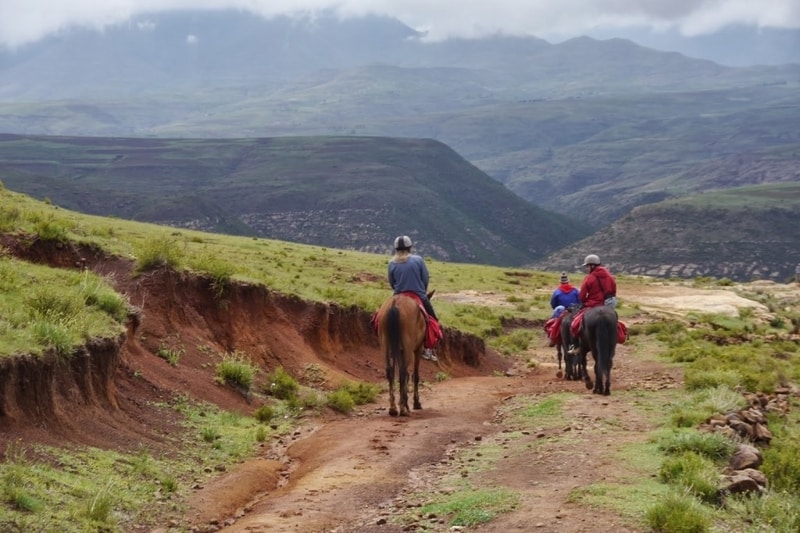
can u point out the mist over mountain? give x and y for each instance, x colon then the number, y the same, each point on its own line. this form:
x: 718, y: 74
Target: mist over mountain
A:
x: 200, y: 50
x: 587, y: 128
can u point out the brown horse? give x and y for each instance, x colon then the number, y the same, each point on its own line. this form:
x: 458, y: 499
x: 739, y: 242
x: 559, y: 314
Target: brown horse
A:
x: 401, y: 331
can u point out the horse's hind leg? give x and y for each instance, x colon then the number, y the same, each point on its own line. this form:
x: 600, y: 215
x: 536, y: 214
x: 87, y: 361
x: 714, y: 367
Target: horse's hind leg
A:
x: 417, y: 405
x: 390, y: 378
x: 585, y: 371
x: 404, y: 410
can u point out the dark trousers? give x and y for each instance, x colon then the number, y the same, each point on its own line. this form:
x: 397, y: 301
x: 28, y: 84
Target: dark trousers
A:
x: 428, y: 307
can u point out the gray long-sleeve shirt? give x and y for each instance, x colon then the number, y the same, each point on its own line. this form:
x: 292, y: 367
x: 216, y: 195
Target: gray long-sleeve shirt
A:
x: 409, y: 274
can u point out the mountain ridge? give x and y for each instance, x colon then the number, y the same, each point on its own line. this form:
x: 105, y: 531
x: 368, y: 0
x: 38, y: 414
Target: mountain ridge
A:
x: 353, y: 193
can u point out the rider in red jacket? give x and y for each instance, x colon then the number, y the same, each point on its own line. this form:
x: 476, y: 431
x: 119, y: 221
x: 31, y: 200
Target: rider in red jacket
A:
x: 598, y: 288
x: 598, y: 285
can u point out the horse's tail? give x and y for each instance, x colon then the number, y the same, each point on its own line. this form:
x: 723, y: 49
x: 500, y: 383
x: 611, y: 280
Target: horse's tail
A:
x: 606, y: 343
x: 394, y: 335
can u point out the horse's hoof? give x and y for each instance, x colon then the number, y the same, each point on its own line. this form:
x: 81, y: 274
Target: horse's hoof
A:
x: 392, y: 412
x: 417, y: 406
x: 559, y: 374
x: 589, y: 385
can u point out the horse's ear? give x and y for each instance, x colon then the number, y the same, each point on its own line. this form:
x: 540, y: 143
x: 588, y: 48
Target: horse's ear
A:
x: 430, y: 294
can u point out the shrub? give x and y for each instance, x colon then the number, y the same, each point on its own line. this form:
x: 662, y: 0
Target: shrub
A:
x: 51, y: 230
x: 340, y: 400
x: 220, y: 270
x: 773, y: 511
x: 170, y: 355
x: 693, y: 472
x: 281, y: 385
x: 782, y: 461
x: 265, y: 413
x: 98, y: 294
x: 159, y: 252
x: 714, y: 446
x: 678, y: 513
x: 361, y: 392
x: 235, y: 369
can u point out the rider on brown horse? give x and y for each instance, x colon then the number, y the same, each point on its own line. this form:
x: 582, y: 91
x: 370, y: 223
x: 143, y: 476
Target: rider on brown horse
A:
x: 408, y: 273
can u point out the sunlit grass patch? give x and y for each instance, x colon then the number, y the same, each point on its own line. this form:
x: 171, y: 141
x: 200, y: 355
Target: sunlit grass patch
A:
x: 679, y: 512
x: 468, y: 508
x: 45, y: 308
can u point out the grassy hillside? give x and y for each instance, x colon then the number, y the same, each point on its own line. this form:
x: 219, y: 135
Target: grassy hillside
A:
x: 742, y: 234
x: 355, y: 193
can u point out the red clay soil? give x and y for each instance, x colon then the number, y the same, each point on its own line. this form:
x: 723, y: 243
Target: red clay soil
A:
x: 335, y: 473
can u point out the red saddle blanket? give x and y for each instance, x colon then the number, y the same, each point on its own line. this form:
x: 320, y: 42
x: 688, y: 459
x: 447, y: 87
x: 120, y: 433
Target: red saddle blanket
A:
x: 433, y: 332
x: 575, y: 327
x: 553, y: 329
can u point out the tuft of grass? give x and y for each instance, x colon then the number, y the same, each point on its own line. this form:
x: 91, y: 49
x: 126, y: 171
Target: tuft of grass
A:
x: 340, y: 400
x: 265, y: 413
x: 774, y: 511
x: 679, y: 512
x: 693, y: 472
x: 281, y: 384
x: 361, y: 392
x: 714, y: 446
x: 469, y: 508
x: 157, y: 253
x: 170, y: 355
x: 220, y: 271
x: 782, y: 460
x: 236, y: 369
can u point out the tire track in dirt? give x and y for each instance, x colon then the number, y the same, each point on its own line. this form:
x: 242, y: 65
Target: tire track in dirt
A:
x: 356, y: 473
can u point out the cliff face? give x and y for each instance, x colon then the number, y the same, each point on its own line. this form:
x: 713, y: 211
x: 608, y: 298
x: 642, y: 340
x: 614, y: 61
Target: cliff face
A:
x: 108, y: 392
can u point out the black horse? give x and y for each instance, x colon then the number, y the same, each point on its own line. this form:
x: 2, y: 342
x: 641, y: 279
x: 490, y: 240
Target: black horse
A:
x: 574, y: 364
x: 599, y: 335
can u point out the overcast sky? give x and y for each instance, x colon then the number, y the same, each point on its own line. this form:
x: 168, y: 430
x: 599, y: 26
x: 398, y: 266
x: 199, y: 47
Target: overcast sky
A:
x: 24, y: 21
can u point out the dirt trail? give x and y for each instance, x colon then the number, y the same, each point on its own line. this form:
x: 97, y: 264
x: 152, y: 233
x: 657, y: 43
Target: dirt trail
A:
x: 354, y: 474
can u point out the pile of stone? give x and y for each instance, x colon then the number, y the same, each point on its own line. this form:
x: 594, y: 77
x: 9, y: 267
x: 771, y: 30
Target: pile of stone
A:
x: 749, y: 428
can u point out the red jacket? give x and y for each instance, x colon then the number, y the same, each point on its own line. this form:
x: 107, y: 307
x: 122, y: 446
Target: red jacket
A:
x: 598, y: 285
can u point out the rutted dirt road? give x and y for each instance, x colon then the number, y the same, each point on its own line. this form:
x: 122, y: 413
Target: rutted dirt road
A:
x: 360, y: 473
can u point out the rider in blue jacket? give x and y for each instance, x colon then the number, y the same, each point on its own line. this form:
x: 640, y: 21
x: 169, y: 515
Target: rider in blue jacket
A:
x: 565, y: 294
x: 408, y: 272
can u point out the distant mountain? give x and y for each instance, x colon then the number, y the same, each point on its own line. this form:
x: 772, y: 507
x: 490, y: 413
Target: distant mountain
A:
x: 353, y: 193
x: 741, y: 234
x: 200, y: 50
x: 735, y: 46
x: 590, y: 129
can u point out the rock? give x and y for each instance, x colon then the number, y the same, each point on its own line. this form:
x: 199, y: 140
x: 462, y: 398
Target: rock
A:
x: 739, y: 483
x: 746, y: 456
x: 761, y: 434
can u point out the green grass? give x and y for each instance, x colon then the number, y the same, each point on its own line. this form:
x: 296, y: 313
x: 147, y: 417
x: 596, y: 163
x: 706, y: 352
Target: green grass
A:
x: 44, y: 309
x: 469, y: 508
x: 309, y: 272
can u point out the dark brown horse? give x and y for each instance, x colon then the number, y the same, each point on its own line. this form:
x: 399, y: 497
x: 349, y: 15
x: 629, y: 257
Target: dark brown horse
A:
x: 575, y: 364
x: 599, y: 335
x: 401, y: 331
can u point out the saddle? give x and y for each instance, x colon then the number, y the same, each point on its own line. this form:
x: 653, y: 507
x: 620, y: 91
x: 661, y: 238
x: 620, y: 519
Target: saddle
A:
x: 577, y: 320
x: 433, y: 330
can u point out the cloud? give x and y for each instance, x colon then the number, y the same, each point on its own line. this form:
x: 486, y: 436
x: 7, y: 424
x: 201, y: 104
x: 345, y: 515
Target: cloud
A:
x: 24, y: 21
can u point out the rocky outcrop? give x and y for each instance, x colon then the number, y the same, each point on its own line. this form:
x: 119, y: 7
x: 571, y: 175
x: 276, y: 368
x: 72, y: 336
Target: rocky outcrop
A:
x: 749, y: 428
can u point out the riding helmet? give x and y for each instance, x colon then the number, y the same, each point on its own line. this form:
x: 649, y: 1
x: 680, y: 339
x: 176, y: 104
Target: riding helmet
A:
x: 591, y: 259
x: 403, y: 242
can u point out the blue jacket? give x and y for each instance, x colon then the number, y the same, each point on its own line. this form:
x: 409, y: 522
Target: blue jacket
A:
x: 565, y: 295
x: 409, y: 274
